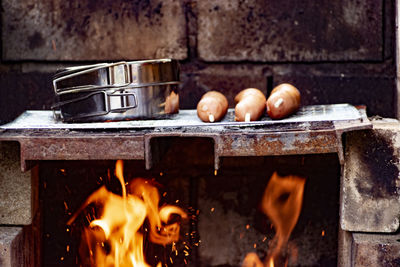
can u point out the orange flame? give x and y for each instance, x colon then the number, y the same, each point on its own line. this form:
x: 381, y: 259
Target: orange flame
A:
x: 281, y: 202
x: 115, y: 238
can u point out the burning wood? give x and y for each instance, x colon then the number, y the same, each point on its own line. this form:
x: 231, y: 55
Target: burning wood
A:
x: 116, y: 237
x: 281, y: 202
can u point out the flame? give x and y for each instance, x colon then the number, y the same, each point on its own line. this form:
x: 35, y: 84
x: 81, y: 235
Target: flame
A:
x: 281, y: 202
x: 116, y: 238
x: 271, y: 262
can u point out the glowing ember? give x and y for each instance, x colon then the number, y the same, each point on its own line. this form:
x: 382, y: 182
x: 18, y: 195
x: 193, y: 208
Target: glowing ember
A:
x: 116, y: 238
x: 282, y: 201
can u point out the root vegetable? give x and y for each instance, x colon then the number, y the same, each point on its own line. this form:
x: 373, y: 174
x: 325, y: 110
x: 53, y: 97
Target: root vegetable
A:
x: 212, y: 107
x: 283, y: 101
x: 250, y: 105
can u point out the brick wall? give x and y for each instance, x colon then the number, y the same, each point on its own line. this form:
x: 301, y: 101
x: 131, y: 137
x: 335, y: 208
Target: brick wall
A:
x: 333, y: 51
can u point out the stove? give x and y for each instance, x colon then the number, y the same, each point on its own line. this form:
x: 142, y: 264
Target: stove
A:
x: 318, y: 138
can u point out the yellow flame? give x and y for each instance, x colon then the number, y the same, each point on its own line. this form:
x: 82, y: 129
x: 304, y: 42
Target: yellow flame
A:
x: 115, y: 239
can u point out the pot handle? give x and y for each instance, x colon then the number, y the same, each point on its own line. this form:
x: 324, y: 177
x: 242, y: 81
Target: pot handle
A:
x: 127, y: 101
x: 110, y: 67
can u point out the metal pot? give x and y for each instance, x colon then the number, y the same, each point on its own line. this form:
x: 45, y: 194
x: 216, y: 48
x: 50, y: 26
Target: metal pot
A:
x: 145, y: 89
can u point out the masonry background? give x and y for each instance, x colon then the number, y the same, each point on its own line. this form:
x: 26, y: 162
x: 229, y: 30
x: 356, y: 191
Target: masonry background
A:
x: 332, y: 51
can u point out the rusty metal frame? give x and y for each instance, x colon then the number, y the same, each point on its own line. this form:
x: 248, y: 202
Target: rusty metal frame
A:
x: 55, y: 144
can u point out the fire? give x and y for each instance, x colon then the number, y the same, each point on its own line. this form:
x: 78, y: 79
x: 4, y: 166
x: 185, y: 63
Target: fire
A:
x: 116, y: 237
x: 271, y: 262
x: 281, y: 202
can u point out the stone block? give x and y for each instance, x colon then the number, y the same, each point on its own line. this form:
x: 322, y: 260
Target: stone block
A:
x: 292, y: 30
x: 23, y: 91
x: 7, y: 236
x: 93, y: 30
x: 14, y: 251
x: 15, y: 187
x: 227, y: 79
x: 344, y: 248
x: 370, y: 200
x: 371, y: 250
x: 376, y: 92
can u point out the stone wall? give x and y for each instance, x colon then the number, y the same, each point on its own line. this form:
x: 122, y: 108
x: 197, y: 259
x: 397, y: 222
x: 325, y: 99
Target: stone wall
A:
x: 333, y: 51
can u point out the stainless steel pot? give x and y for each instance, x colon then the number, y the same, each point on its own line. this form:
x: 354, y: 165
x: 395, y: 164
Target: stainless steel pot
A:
x: 145, y: 89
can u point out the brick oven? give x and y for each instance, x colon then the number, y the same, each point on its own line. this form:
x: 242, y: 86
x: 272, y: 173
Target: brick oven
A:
x: 333, y: 52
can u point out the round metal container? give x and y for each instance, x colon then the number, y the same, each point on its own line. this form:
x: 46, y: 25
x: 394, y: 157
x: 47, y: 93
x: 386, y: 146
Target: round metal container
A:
x: 145, y: 89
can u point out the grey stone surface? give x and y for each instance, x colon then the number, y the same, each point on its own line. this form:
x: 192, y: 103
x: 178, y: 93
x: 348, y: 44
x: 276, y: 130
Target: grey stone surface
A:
x: 19, y: 247
x: 370, y: 200
x: 15, y: 187
x: 292, y: 30
x: 8, y: 236
x: 371, y: 250
x: 345, y: 242
x: 93, y: 30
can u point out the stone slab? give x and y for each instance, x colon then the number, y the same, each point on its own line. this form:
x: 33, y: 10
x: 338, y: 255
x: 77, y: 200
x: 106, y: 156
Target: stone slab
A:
x: 15, y: 187
x: 256, y: 30
x: 93, y: 30
x: 370, y: 196
x: 371, y: 250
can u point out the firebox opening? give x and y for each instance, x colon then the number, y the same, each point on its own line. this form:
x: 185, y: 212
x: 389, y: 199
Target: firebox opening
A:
x: 231, y: 222
x: 223, y: 206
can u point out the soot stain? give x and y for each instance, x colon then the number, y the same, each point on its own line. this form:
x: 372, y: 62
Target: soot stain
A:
x: 377, y: 156
x: 36, y: 40
x: 78, y: 20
